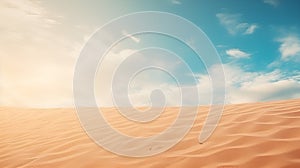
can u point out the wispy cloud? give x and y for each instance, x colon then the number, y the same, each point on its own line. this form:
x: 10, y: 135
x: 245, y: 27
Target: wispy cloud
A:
x: 135, y: 39
x: 37, y: 57
x: 234, y: 24
x: 141, y: 85
x: 272, y: 2
x: 251, y: 29
x: 243, y: 86
x: 237, y: 53
x: 176, y: 2
x: 290, y: 48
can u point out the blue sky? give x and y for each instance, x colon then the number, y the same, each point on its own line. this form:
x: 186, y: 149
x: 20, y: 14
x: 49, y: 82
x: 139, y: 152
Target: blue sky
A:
x: 258, y: 41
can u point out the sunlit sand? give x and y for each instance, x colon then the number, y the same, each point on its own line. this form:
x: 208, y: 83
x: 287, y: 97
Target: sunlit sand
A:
x: 248, y: 135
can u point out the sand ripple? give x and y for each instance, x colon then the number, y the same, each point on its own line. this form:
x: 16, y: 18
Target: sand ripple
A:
x: 249, y: 135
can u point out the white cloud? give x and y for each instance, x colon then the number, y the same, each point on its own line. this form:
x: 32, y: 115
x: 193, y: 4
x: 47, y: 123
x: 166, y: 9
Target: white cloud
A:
x: 237, y: 53
x: 241, y: 87
x: 290, y: 48
x: 244, y: 87
x: 251, y: 29
x: 234, y: 25
x: 272, y: 2
x: 176, y: 2
x: 37, y: 56
x: 140, y: 87
x: 135, y: 39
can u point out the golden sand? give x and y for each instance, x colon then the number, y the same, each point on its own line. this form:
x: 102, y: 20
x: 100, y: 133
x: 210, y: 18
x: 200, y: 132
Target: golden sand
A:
x: 248, y: 135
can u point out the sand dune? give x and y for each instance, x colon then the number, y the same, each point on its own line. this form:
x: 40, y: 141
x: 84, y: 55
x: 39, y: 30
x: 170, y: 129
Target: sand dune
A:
x: 249, y: 135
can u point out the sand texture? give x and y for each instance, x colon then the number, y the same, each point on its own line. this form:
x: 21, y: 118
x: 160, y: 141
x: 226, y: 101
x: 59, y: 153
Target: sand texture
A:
x: 248, y: 135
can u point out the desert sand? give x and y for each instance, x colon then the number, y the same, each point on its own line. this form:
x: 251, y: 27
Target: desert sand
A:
x: 248, y: 135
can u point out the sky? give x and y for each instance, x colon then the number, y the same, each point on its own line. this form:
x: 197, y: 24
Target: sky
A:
x: 258, y: 42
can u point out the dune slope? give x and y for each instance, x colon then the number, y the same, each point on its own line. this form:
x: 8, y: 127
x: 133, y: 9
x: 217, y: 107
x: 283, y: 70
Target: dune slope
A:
x: 248, y: 135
